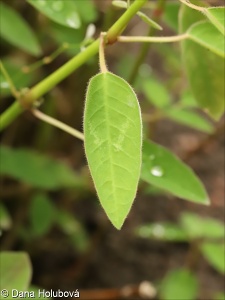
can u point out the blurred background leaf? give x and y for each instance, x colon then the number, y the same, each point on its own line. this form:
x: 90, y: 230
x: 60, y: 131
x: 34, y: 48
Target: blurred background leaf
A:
x: 74, y: 229
x: 15, y: 270
x: 37, y: 170
x: 62, y: 12
x: 179, y: 284
x: 205, y: 69
x: 200, y: 227
x: 163, y: 169
x: 214, y: 254
x: 42, y: 214
x: 169, y: 232
x: 5, y: 219
x: 18, y: 77
x: 217, y: 16
x: 16, y: 31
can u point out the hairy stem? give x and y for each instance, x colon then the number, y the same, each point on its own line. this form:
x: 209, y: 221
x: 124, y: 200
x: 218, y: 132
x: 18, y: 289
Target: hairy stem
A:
x: 102, y: 61
x: 48, y: 83
x: 152, y: 39
x: 199, y: 8
x: 56, y: 123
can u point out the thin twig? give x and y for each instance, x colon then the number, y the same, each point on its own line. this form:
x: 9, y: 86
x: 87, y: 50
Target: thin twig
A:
x: 13, y: 89
x: 46, y: 60
x: 157, y: 13
x: 199, y: 8
x: 102, y: 61
x: 152, y: 39
x: 37, y: 113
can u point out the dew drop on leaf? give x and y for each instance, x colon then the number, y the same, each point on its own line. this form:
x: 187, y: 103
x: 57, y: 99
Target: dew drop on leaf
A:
x: 157, y: 171
x: 73, y: 20
x: 158, y: 231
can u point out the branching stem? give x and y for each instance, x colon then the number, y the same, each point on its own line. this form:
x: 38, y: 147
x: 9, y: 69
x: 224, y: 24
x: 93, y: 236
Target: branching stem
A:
x: 51, y: 81
x: 102, y: 61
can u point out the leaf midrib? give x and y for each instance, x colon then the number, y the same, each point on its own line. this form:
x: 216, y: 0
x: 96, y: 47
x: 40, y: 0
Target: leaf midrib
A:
x: 105, y: 88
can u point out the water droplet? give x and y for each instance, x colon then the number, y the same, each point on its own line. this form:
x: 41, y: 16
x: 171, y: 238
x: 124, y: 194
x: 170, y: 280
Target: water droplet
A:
x: 57, y: 5
x: 152, y: 156
x: 41, y: 2
x: 4, y: 85
x: 157, y: 171
x: 90, y: 31
x: 158, y: 230
x: 73, y: 20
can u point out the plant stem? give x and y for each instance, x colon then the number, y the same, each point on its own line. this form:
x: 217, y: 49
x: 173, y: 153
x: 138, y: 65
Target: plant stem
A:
x: 48, y: 83
x: 37, y: 113
x: 8, y: 79
x: 119, y: 26
x: 102, y: 61
x: 157, y: 12
x: 46, y: 60
x: 152, y: 39
x: 52, y: 80
x: 10, y: 114
x: 199, y: 8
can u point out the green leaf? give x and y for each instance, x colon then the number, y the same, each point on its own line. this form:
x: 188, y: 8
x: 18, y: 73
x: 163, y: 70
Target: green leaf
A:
x: 113, y: 139
x: 215, y: 255
x: 37, y: 170
x: 219, y: 296
x: 74, y: 229
x: 189, y: 118
x: 67, y: 35
x: 156, y: 93
x: 5, y: 219
x: 187, y: 100
x: 217, y: 16
x: 205, y: 69
x: 16, y: 31
x: 170, y: 14
x: 198, y: 227
x: 62, y: 12
x: 179, y: 284
x: 42, y: 214
x: 163, y: 169
x: 20, y: 79
x: 120, y: 4
x: 87, y: 11
x: 149, y: 21
x: 15, y: 270
x: 143, y: 16
x: 163, y: 231
x: 206, y: 35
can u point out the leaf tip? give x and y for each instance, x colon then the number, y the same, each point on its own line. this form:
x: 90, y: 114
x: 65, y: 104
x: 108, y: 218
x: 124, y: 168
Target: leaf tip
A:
x: 117, y: 224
